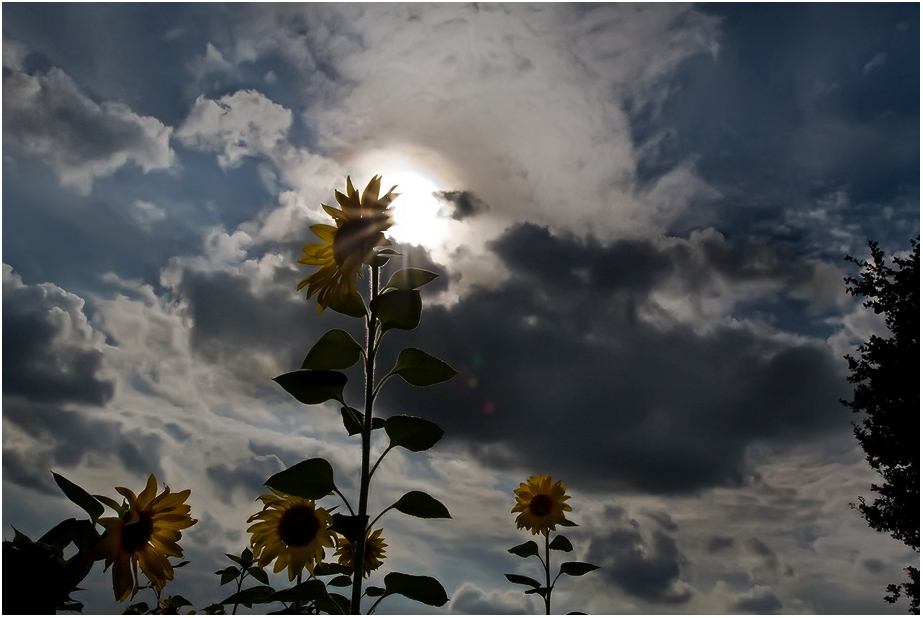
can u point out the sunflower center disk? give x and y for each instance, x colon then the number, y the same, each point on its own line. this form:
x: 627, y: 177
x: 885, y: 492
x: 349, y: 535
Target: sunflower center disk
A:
x: 540, y: 505
x: 298, y: 526
x: 135, y: 536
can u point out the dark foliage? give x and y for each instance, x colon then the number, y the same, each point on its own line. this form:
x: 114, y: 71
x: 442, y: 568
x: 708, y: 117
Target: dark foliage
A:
x: 887, y: 392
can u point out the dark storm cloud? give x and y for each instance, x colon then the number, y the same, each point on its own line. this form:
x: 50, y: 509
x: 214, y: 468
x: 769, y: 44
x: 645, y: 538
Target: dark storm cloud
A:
x: 248, y: 475
x: 466, y: 203
x: 765, y: 552
x: 646, y: 568
x: 657, y: 408
x: 68, y: 438
x: 719, y: 543
x: 48, y: 349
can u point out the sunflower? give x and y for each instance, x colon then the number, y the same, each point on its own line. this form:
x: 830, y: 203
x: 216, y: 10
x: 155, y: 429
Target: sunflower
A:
x: 145, y: 534
x: 360, y: 227
x: 540, y: 503
x: 374, y: 552
x: 292, y: 531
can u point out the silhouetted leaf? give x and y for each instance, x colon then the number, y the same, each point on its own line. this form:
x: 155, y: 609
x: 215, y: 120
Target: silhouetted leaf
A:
x: 561, y: 543
x: 333, y: 604
x: 311, y: 479
x: 413, y: 433
x: 529, y: 548
x: 522, y: 579
x: 398, y: 309
x: 540, y: 591
x: 340, y: 581
x: 112, y: 504
x: 374, y: 591
x: 420, y: 588
x: 567, y: 523
x: 332, y: 568
x: 313, y: 387
x: 249, y: 596
x: 423, y: 505
x: 352, y: 428
x: 259, y: 575
x: 336, y: 349
x: 350, y: 526
x: 576, y: 569
x: 307, y: 591
x: 228, y: 574
x: 422, y: 369
x: 410, y: 279
x: 79, y: 496
x: 352, y: 305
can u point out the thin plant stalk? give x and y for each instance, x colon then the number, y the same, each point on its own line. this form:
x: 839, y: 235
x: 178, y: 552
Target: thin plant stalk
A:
x: 359, y: 546
x: 547, y: 576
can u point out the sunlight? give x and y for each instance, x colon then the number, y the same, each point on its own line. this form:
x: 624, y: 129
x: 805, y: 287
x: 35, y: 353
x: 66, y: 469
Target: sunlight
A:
x: 419, y: 217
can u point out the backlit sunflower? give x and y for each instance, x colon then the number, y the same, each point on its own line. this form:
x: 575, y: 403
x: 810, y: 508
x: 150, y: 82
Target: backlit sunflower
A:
x: 360, y: 227
x: 540, y: 503
x: 291, y: 531
x: 374, y: 552
x: 146, y: 534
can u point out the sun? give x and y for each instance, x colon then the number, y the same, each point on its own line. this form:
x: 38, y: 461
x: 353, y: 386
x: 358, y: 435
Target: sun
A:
x: 418, y: 218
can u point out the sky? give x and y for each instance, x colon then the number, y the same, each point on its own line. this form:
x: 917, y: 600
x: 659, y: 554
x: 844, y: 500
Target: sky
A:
x: 639, y: 215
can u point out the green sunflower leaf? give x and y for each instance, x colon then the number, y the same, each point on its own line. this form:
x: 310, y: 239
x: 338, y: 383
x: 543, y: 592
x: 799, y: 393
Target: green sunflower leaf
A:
x: 421, y: 369
x: 410, y: 279
x: 522, y: 579
x: 352, y: 427
x: 576, y: 614
x: 340, y: 581
x: 179, y: 601
x: 420, y: 588
x: 529, y: 548
x: 246, y: 557
x: 249, y: 596
x: 336, y: 349
x: 576, y: 569
x: 374, y: 591
x: 79, y: 496
x: 398, y: 309
x: 567, y: 523
x: 542, y: 591
x: 413, y: 433
x: 313, y: 387
x: 311, y: 479
x: 422, y: 505
x: 137, y: 609
x: 352, y: 305
x: 561, y: 543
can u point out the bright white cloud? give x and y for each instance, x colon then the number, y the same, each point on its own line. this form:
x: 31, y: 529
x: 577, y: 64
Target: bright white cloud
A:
x: 48, y: 116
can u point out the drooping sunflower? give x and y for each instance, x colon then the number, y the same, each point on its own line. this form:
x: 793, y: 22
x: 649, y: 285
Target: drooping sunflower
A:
x: 540, y: 503
x: 360, y: 227
x: 292, y: 531
x: 146, y: 534
x: 374, y: 552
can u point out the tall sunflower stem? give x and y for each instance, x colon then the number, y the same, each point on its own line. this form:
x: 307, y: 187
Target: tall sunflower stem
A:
x: 547, y: 576
x: 371, y: 349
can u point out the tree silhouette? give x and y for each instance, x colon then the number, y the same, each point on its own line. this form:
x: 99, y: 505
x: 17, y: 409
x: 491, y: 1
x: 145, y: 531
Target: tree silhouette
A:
x: 887, y: 379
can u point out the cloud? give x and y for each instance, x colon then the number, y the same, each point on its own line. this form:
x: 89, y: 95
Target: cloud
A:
x: 237, y: 125
x: 466, y: 204
x: 877, y: 60
x: 14, y: 53
x: 497, y: 96
x: 719, y: 543
x: 50, y: 351
x: 469, y: 599
x: 648, y: 568
x: 759, y: 600
x: 48, y: 116
x: 581, y: 336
